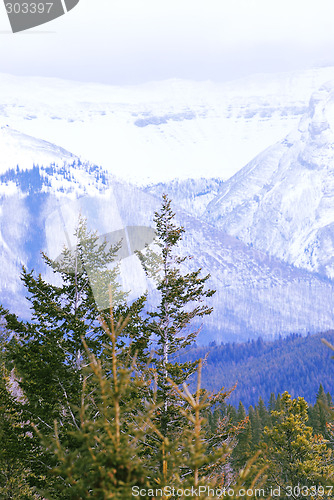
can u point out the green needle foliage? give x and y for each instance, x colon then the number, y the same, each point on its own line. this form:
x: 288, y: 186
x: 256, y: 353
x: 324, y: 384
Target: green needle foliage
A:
x: 200, y: 463
x: 46, y: 353
x: 108, y: 414
x: 106, y: 462
x: 111, y: 460
x: 296, y: 457
x: 13, y: 450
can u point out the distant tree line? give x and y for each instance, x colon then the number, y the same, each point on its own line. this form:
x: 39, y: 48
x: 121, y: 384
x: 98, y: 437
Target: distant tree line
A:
x: 297, y: 364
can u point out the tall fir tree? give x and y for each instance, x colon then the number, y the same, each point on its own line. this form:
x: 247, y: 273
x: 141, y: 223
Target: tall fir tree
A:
x: 272, y: 402
x: 242, y: 450
x: 181, y: 299
x: 14, y: 455
x: 322, y: 413
x: 256, y: 426
x: 263, y: 414
x: 107, y: 460
x: 101, y: 413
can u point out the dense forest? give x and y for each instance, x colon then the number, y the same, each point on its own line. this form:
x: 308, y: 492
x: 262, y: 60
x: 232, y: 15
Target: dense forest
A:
x: 297, y: 364
x: 319, y: 418
x: 97, y: 403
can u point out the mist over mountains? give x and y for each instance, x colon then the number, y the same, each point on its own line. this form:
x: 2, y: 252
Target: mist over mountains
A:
x: 160, y: 131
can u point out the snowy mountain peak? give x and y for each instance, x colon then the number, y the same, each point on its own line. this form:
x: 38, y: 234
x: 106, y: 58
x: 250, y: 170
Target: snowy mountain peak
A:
x: 280, y: 204
x: 21, y: 149
x: 317, y: 128
x: 159, y: 131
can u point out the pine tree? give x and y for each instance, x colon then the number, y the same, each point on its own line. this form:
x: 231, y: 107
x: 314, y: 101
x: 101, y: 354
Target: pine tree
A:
x: 118, y: 422
x: 110, y: 461
x: 263, y: 414
x: 107, y: 459
x: 256, y: 426
x: 241, y: 414
x: 232, y: 415
x: 321, y: 413
x: 14, y: 462
x: 272, y: 402
x: 200, y: 463
x: 278, y: 405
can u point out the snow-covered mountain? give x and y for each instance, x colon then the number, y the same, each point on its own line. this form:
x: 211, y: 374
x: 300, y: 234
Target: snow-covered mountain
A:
x: 264, y: 235
x: 256, y: 294
x: 19, y: 149
x: 163, y: 130
x: 191, y: 195
x: 282, y: 202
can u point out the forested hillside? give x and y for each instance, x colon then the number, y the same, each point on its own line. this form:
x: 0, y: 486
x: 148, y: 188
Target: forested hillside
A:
x: 295, y: 364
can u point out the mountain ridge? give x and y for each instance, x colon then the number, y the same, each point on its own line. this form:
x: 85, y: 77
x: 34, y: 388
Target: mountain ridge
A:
x: 259, y: 290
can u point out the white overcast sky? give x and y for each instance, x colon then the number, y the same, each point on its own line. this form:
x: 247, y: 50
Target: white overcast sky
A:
x: 135, y: 41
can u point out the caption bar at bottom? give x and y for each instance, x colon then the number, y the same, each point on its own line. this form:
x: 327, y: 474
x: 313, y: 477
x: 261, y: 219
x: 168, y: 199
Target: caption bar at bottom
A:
x: 193, y: 492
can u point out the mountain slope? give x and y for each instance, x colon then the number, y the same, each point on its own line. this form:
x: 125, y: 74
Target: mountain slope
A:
x: 256, y: 294
x: 282, y: 202
x: 190, y: 195
x: 21, y: 149
x: 294, y: 364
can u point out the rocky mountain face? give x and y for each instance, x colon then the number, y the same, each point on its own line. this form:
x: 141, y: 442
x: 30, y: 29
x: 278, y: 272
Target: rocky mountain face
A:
x: 282, y: 202
x: 191, y: 195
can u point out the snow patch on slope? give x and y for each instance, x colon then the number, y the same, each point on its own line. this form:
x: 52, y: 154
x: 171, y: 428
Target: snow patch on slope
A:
x: 21, y: 149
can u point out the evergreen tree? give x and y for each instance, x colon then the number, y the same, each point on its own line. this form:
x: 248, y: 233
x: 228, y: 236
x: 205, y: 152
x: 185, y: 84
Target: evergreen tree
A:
x: 110, y: 460
x: 242, y: 450
x: 272, y: 403
x: 263, y: 414
x: 119, y: 423
x: 46, y: 353
x: 294, y: 456
x: 278, y: 405
x: 329, y: 400
x: 107, y: 460
x: 256, y: 426
x: 241, y: 414
x: 320, y: 413
x: 14, y: 465
x: 232, y: 415
x: 181, y: 299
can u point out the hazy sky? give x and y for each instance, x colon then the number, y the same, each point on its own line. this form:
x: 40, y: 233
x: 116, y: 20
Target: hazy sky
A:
x: 134, y: 41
